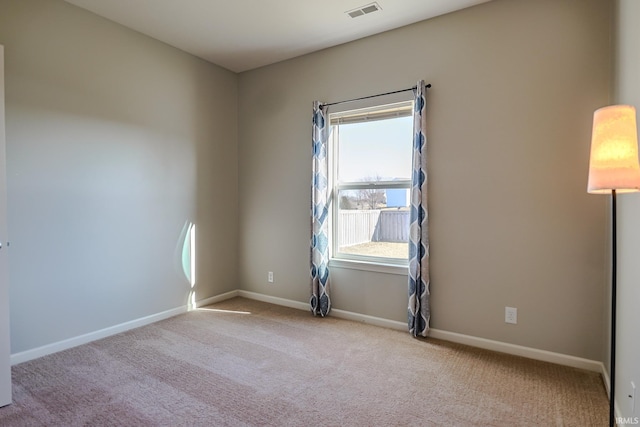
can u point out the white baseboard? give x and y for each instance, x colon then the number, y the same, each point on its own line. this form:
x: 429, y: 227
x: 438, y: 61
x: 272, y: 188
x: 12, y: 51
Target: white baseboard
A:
x: 607, y: 386
x: 341, y: 314
x: 518, y: 350
x: 274, y: 300
x: 35, y: 353
x: 25, y: 356
x: 217, y: 298
x: 502, y: 347
x: 531, y: 353
x: 605, y: 379
x: 371, y: 320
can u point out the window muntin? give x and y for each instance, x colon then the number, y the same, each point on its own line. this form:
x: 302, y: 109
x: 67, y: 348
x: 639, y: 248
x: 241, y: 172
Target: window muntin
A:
x: 371, y: 153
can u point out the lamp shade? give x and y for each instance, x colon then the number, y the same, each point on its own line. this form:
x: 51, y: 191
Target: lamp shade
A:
x: 614, y: 151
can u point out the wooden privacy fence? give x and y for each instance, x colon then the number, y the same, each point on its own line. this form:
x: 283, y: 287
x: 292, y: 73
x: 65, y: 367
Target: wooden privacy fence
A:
x: 363, y: 226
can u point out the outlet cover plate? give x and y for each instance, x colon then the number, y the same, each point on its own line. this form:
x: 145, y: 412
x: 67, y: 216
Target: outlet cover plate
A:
x: 511, y: 315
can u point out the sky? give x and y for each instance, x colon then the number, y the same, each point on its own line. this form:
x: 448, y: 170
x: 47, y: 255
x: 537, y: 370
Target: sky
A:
x: 378, y: 148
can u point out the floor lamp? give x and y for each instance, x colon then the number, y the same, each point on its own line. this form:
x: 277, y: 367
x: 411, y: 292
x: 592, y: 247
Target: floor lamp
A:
x: 613, y: 168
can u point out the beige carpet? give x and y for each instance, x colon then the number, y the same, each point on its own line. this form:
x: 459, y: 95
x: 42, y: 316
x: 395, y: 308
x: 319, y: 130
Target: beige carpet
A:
x: 246, y: 363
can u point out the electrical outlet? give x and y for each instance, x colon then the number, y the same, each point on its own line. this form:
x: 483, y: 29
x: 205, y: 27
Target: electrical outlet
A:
x: 511, y: 315
x: 270, y: 277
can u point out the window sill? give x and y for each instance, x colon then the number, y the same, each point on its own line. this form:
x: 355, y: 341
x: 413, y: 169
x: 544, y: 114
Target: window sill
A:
x: 375, y: 267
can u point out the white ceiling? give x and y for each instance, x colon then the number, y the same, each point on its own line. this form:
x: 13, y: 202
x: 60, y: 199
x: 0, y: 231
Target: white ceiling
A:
x: 244, y: 34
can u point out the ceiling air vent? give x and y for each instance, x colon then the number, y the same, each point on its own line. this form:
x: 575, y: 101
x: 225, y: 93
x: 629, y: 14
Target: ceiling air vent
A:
x: 364, y: 10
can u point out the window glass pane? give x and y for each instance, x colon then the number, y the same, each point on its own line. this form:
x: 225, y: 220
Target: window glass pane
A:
x: 379, y: 150
x: 373, y: 222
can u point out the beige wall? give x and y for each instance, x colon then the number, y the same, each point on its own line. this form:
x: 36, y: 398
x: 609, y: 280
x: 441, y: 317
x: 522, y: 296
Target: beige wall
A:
x: 514, y: 86
x: 5, y: 347
x: 114, y: 142
x: 627, y: 91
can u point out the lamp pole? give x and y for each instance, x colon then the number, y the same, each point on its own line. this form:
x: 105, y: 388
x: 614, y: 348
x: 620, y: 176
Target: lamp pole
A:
x: 614, y: 266
x: 613, y: 168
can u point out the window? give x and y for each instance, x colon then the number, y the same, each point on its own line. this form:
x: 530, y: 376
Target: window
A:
x: 370, y: 163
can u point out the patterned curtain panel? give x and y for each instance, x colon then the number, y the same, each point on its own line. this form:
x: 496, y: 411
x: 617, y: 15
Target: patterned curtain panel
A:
x: 419, y: 312
x: 320, y: 301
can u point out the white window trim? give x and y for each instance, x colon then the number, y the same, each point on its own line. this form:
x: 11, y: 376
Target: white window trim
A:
x: 378, y: 267
x: 351, y: 261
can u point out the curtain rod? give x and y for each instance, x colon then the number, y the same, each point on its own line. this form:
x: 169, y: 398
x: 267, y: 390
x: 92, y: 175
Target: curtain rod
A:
x: 427, y: 86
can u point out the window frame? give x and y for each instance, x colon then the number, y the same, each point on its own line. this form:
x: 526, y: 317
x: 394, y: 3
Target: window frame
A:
x: 392, y: 109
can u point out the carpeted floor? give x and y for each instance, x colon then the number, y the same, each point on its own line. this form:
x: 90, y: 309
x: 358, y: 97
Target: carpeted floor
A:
x: 247, y: 363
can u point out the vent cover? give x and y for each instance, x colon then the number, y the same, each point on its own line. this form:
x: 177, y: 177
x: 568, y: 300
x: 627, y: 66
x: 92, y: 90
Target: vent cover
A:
x: 364, y: 10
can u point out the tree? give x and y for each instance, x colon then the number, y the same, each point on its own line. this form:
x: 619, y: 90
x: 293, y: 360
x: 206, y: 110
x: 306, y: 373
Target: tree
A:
x: 371, y: 198
x: 346, y: 202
